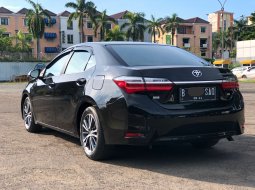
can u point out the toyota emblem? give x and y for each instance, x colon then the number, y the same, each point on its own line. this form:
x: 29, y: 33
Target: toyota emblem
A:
x: 196, y: 73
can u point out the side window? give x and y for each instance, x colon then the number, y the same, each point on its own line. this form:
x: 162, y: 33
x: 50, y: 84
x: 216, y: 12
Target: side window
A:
x: 78, y: 62
x: 56, y: 68
x: 91, y: 63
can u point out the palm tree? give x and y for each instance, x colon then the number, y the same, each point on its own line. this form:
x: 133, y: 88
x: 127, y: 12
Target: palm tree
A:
x: 115, y: 34
x: 23, y: 43
x: 83, y: 10
x: 154, y: 27
x: 36, y: 24
x: 239, y: 27
x: 101, y: 21
x: 135, y: 26
x: 171, y: 24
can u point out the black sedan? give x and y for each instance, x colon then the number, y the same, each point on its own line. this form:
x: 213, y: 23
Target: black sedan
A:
x: 133, y: 94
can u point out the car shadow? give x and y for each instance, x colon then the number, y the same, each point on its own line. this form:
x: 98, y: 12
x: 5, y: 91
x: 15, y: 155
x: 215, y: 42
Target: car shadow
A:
x: 229, y: 163
x: 48, y: 131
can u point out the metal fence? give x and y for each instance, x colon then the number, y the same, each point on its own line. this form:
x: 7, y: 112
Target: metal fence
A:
x: 10, y: 70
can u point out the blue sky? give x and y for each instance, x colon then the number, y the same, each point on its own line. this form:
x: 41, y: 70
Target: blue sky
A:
x: 159, y: 8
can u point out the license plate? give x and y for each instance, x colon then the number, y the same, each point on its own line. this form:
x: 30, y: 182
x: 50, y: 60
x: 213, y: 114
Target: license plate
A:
x: 194, y: 94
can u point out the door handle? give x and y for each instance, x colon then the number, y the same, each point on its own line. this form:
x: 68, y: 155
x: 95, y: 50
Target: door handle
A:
x: 81, y: 81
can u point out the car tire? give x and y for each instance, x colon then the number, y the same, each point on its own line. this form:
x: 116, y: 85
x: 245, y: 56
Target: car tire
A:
x: 28, y: 117
x: 92, y: 135
x: 203, y: 144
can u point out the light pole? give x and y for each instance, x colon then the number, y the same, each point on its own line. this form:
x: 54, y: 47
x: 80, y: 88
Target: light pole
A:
x: 222, y: 28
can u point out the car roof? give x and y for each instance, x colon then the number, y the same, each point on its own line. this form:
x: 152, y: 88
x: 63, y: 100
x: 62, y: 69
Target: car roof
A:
x: 115, y: 43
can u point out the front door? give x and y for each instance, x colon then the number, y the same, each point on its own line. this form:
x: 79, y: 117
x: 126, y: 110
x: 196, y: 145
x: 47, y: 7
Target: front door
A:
x: 43, y: 91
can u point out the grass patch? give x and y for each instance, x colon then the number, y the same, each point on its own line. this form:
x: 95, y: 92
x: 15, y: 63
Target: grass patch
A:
x: 247, y: 80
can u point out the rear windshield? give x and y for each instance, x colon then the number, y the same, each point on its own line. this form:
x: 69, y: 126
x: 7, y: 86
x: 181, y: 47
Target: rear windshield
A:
x: 155, y: 55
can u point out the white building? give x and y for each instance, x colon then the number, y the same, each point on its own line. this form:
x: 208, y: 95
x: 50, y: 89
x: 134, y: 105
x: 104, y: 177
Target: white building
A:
x: 245, y: 50
x: 70, y: 35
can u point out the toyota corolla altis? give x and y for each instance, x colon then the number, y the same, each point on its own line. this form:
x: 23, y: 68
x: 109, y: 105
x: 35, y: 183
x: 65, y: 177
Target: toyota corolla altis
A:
x: 133, y: 94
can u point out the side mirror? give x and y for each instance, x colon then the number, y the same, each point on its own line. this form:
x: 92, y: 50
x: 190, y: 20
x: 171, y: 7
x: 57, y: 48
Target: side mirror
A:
x: 34, y: 74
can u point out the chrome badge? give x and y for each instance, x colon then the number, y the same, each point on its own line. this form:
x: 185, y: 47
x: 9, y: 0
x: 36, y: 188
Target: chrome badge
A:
x: 196, y: 73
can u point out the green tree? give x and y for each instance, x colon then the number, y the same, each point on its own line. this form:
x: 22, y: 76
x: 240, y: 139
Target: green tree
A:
x: 155, y: 26
x: 5, y: 41
x: 135, y: 26
x: 100, y: 22
x: 115, y: 34
x: 83, y: 10
x: 36, y: 25
x: 252, y: 18
x: 171, y: 25
x: 23, y: 42
x: 240, y: 28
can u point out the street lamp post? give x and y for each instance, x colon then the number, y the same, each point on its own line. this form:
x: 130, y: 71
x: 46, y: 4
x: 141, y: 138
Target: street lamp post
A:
x: 222, y: 28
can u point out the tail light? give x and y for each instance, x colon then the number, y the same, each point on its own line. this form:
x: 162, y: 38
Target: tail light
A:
x: 230, y: 84
x: 138, y: 84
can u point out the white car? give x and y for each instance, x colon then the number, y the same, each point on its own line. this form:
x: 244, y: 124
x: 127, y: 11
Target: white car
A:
x: 238, y: 71
x: 249, y: 73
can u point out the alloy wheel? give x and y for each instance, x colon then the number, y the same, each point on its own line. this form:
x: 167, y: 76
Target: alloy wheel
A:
x: 27, y: 113
x: 89, y: 134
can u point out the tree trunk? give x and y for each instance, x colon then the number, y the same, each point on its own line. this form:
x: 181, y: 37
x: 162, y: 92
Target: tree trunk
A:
x: 38, y: 47
x: 82, y: 32
x: 102, y: 34
x: 173, y: 36
x: 154, y: 34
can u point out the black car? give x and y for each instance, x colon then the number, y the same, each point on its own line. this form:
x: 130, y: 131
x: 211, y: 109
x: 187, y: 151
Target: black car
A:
x: 133, y: 94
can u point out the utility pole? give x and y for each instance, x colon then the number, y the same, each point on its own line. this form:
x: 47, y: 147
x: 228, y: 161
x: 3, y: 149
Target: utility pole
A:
x: 222, y: 28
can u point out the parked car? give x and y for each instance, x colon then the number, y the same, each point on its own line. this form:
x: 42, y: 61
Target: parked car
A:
x: 238, y: 71
x: 249, y: 73
x: 133, y: 94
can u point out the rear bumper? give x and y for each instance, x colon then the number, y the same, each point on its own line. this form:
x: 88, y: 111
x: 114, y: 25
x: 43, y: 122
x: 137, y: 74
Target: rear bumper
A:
x: 160, y: 129
x: 161, y: 125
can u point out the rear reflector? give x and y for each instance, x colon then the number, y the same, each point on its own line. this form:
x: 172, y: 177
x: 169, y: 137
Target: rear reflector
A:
x: 138, y: 84
x: 133, y: 135
x: 230, y: 85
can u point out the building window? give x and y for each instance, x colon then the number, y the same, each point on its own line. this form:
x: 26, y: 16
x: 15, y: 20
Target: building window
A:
x: 70, y: 39
x: 70, y: 25
x: 108, y: 26
x: 203, y: 29
x: 90, y: 39
x: 4, y: 21
x: 63, y: 37
x: 203, y: 43
x: 225, y: 25
x: 5, y: 35
x: 25, y: 22
x: 203, y: 54
x: 181, y: 30
x: 89, y: 25
x: 186, y: 43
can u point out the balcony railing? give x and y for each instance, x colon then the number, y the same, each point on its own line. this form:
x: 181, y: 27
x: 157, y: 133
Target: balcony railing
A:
x: 186, y: 45
x: 51, y: 50
x: 203, y: 45
x: 51, y: 21
x: 50, y: 35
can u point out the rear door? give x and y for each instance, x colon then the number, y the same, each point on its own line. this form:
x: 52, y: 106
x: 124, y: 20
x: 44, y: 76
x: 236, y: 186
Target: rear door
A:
x: 70, y: 87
